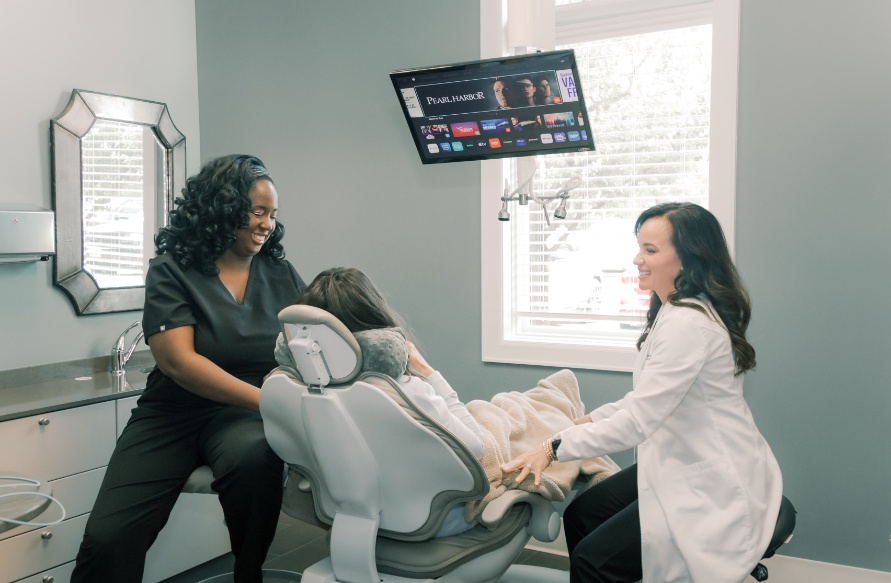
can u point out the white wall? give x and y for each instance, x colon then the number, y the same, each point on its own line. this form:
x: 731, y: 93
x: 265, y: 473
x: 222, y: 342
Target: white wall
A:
x: 49, y: 47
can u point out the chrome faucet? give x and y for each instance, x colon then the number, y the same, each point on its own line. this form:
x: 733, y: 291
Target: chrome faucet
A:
x: 119, y: 356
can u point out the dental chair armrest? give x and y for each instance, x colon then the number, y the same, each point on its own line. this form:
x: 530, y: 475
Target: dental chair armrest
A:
x: 545, y: 522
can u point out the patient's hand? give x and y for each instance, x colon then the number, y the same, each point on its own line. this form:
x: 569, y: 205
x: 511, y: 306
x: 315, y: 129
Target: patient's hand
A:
x: 416, y: 362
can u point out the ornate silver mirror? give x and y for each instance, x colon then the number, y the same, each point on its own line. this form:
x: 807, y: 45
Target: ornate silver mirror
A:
x: 117, y: 164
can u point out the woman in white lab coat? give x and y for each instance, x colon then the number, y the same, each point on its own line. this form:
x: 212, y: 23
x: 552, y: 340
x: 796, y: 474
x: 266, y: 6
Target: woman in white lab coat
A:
x: 701, y: 503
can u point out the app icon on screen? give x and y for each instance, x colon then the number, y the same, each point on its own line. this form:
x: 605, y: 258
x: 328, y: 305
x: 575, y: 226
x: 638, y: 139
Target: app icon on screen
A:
x: 465, y: 128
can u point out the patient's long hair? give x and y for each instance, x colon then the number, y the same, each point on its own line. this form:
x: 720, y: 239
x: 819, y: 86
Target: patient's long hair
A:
x: 352, y: 298
x: 707, y: 271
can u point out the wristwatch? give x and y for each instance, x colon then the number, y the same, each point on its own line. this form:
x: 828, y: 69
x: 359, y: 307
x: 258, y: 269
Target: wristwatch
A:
x: 555, y: 443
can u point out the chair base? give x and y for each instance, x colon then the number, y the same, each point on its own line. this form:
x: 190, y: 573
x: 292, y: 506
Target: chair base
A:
x: 530, y: 574
x: 321, y: 573
x: 269, y: 575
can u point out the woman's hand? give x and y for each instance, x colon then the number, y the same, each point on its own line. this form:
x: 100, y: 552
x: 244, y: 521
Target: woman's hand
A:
x: 416, y: 362
x: 533, y: 461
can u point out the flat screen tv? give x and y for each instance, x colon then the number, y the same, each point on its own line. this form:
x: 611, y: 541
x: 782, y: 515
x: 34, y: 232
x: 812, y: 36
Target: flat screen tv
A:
x: 524, y: 105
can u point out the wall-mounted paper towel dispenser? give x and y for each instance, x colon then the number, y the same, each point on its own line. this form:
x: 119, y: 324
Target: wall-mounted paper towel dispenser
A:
x: 27, y: 233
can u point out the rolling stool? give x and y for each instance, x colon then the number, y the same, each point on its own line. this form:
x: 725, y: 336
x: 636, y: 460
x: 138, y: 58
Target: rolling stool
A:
x: 199, y: 483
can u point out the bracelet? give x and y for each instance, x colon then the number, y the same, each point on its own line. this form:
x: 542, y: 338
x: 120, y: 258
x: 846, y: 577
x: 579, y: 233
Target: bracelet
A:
x: 548, y: 446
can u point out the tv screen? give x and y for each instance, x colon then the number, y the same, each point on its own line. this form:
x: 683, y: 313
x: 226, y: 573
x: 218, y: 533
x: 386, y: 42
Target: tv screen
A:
x: 525, y: 105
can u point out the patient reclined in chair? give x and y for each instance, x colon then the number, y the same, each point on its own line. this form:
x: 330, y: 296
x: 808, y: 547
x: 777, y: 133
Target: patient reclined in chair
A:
x: 383, y: 473
x: 510, y: 423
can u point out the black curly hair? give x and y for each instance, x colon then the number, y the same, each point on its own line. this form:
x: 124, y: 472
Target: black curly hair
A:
x: 707, y: 270
x: 214, y: 204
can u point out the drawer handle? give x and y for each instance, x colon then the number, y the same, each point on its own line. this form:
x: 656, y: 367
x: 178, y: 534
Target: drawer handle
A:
x: 46, y: 535
x: 48, y: 579
x: 43, y: 421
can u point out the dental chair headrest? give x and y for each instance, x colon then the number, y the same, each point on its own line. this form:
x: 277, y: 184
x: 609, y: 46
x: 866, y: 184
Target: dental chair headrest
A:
x: 319, y: 345
x: 324, y: 351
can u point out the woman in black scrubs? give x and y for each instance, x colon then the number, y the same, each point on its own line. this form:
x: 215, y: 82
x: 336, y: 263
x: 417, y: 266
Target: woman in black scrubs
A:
x: 213, y: 293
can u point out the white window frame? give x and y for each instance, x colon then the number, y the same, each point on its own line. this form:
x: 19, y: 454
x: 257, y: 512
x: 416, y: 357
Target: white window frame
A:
x: 634, y: 17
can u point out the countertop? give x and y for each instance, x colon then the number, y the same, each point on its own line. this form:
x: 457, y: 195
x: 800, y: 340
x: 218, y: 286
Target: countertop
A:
x: 54, y: 392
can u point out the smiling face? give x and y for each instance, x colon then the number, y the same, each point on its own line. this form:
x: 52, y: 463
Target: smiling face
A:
x: 657, y: 261
x: 261, y: 220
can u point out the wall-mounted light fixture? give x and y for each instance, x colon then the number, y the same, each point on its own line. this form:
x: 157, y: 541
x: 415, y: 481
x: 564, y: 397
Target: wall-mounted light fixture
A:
x: 527, y: 194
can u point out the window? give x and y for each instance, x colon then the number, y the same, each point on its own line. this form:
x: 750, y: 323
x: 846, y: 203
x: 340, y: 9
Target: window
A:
x: 115, y: 190
x: 659, y: 80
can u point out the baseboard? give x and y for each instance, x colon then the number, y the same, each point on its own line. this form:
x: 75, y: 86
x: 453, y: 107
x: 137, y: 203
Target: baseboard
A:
x: 782, y: 569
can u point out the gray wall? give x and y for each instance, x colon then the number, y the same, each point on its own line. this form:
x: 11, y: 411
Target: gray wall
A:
x: 304, y: 85
x: 48, y: 48
x: 813, y: 207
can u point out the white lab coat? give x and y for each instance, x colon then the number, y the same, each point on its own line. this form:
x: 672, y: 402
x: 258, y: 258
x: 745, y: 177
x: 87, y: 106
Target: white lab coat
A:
x: 709, y: 486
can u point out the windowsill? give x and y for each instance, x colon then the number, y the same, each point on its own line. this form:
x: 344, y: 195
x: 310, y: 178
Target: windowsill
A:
x: 574, y: 356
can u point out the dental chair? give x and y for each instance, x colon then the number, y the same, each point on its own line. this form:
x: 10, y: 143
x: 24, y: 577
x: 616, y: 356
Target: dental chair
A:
x: 382, y: 475
x: 376, y: 470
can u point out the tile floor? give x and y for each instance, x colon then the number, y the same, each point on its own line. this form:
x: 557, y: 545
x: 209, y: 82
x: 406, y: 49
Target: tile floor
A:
x: 298, y: 545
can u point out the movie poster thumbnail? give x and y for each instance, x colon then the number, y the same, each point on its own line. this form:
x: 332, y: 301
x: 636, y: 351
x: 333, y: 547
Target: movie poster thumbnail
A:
x: 562, y: 119
x: 437, y: 130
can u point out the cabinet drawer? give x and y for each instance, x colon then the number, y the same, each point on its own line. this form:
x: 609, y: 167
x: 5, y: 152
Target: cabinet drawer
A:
x: 30, y: 553
x: 60, y: 574
x: 76, y: 493
x: 59, y: 444
x: 124, y: 410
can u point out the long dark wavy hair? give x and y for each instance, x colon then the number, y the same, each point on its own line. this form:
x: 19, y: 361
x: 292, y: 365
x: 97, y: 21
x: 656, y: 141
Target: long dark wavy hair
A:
x: 707, y: 271
x: 352, y: 298
x: 214, y: 204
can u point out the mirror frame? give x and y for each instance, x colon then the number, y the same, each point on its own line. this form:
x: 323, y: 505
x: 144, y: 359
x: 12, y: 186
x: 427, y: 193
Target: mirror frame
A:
x: 67, y: 131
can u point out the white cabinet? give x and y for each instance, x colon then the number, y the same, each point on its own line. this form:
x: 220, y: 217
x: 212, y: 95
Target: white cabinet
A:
x: 70, y: 449
x: 58, y: 444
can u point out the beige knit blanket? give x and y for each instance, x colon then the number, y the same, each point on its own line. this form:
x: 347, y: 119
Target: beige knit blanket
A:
x: 513, y: 423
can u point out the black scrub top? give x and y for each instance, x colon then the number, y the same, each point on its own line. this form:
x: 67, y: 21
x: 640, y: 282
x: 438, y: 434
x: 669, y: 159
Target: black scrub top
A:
x: 239, y: 338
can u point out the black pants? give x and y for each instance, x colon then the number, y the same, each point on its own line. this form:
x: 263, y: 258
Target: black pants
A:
x: 159, y: 448
x: 603, y: 532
